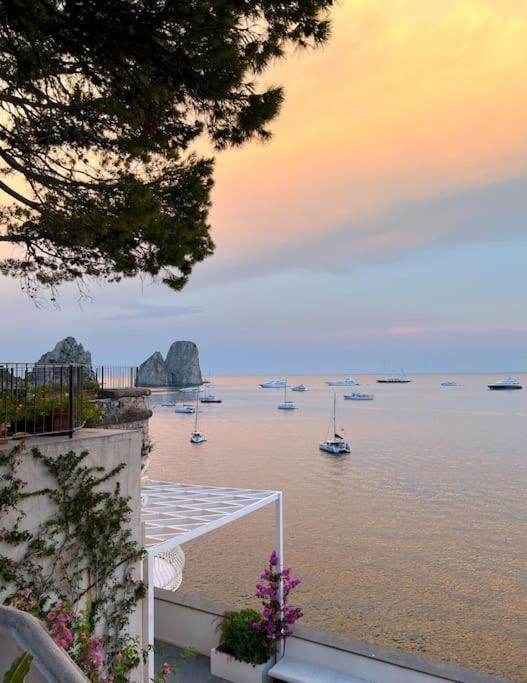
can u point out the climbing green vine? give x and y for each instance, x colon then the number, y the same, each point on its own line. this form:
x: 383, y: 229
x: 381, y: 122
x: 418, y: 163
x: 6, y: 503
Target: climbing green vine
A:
x: 77, y: 568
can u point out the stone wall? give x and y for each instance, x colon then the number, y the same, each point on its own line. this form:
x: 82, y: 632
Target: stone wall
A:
x: 127, y: 409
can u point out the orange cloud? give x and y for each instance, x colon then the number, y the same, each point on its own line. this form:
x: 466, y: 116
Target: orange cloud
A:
x: 411, y: 98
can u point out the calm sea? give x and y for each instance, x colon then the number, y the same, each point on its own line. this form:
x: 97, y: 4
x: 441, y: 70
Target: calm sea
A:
x: 416, y: 541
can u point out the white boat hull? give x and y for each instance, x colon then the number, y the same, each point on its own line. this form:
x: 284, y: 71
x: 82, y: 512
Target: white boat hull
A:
x: 335, y: 448
x: 197, y: 438
x: 288, y: 405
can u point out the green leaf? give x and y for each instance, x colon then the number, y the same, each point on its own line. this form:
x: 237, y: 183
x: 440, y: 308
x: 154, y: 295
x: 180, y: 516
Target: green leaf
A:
x: 19, y: 669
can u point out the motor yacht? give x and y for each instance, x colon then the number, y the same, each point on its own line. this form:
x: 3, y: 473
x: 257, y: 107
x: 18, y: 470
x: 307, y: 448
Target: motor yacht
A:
x: 356, y: 396
x: 276, y: 383
x: 346, y: 382
x: 300, y: 387
x: 336, y: 445
x: 506, y: 384
x: 449, y: 383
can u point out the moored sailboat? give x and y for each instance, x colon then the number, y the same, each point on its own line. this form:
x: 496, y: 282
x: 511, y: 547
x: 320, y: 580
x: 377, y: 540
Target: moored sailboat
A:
x: 196, y: 436
x: 336, y: 445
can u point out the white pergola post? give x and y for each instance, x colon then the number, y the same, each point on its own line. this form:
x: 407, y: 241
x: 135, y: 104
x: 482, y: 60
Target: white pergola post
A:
x: 279, y: 536
x: 150, y: 607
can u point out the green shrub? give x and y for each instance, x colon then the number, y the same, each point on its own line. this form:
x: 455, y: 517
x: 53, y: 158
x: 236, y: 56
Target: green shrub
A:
x: 240, y: 640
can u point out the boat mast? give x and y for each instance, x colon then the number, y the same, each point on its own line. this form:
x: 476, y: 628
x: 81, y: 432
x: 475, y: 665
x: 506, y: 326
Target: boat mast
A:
x: 334, y: 414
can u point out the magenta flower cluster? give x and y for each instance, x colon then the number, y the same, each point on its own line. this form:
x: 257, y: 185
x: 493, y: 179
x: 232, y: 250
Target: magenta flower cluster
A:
x: 278, y: 616
x: 91, y: 658
x: 60, y: 617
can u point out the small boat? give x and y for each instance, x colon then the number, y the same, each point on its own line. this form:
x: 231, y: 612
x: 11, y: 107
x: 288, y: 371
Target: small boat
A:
x: 286, y: 405
x: 208, y: 396
x: 337, y: 445
x: 196, y: 436
x: 169, y: 404
x: 276, y: 383
x: 356, y: 396
x: 184, y: 408
x: 506, y: 384
x: 449, y: 383
x: 395, y: 379
x: 346, y: 382
x: 300, y: 387
x: 190, y: 390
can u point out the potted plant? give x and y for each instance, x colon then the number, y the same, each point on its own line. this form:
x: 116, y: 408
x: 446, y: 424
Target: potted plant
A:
x: 249, y: 639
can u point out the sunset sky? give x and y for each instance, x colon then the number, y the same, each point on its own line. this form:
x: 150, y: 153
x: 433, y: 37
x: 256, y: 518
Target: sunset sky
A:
x: 383, y: 225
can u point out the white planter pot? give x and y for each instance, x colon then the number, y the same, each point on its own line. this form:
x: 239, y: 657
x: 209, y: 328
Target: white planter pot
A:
x: 225, y: 666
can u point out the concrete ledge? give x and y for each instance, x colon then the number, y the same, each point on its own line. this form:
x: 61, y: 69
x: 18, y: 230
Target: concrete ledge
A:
x: 305, y: 638
x: 51, y: 660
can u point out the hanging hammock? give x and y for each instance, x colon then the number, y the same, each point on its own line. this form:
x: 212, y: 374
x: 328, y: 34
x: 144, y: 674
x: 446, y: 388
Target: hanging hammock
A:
x: 168, y: 569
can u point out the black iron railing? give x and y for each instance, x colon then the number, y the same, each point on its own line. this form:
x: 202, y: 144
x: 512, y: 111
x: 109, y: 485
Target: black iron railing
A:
x: 115, y: 376
x: 41, y: 399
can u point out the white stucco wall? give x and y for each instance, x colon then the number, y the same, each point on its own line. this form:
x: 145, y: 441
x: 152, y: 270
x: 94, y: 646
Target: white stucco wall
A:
x: 108, y: 448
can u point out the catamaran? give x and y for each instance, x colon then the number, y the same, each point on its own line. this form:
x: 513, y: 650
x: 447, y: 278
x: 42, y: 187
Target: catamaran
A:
x: 337, y: 445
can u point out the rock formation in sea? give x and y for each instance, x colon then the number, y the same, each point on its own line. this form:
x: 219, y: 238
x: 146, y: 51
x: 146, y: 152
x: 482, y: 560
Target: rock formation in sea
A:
x: 180, y: 369
x: 68, y: 351
x: 182, y: 364
x: 153, y: 372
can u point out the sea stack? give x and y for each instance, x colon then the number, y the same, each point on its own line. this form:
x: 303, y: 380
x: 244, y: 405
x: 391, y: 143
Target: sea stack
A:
x: 182, y: 364
x: 66, y: 352
x: 153, y: 372
x: 180, y: 369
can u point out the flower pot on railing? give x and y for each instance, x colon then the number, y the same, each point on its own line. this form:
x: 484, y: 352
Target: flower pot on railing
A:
x: 225, y: 666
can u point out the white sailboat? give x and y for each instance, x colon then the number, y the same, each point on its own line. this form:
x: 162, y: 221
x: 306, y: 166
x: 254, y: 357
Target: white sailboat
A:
x: 336, y: 445
x: 286, y: 405
x: 196, y: 436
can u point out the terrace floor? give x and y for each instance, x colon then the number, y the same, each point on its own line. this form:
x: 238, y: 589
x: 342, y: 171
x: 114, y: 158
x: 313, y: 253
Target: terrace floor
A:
x: 195, y: 669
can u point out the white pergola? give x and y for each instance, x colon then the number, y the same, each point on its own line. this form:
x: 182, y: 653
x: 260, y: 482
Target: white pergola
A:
x: 173, y: 514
